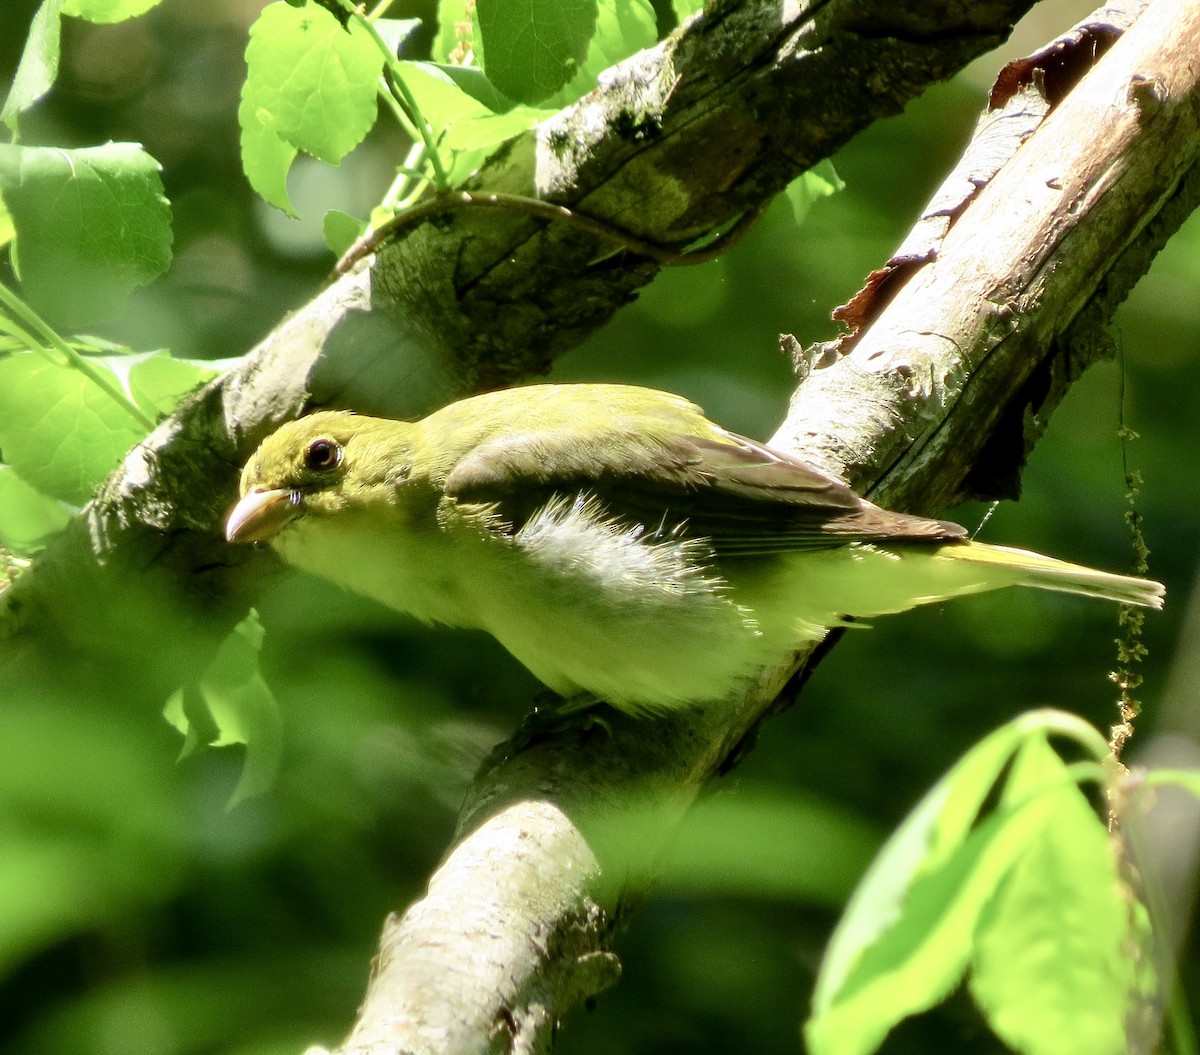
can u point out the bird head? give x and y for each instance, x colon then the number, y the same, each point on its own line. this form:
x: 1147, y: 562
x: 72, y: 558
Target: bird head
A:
x: 317, y: 466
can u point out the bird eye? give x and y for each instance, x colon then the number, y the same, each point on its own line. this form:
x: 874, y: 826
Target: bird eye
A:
x: 322, y: 454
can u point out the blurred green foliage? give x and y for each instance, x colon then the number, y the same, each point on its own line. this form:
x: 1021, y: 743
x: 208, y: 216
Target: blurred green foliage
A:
x: 140, y: 914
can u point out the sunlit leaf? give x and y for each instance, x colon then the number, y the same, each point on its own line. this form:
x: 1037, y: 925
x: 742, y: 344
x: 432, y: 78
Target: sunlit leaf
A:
x: 1053, y: 969
x: 108, y: 10
x: 240, y: 708
x: 623, y: 27
x: 266, y: 159
x: 91, y: 225
x: 61, y: 432
x: 907, y: 935
x: 310, y: 85
x: 341, y: 230
x: 38, y: 68
x: 157, y: 382
x: 531, y: 48
x: 26, y: 515
x: 467, y: 129
x: 818, y: 182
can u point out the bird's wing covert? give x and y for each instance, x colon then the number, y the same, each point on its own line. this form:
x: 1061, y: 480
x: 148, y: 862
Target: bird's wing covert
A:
x: 744, y: 496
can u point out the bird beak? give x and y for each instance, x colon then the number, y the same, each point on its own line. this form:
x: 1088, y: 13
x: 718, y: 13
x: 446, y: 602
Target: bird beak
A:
x: 260, y: 515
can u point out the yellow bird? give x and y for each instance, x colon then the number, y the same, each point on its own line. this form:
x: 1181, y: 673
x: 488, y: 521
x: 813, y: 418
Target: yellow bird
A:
x: 612, y: 538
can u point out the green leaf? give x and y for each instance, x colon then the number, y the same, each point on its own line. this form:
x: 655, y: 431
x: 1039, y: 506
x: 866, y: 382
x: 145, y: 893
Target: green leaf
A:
x: 266, y: 159
x: 684, y: 9
x: 906, y: 936
x: 473, y: 81
x: 623, y: 28
x: 7, y: 231
x: 241, y: 709
x: 342, y: 230
x: 468, y: 131
x: 529, y: 49
x: 61, y: 432
x: 157, y: 381
x: 26, y: 515
x: 108, y: 10
x: 818, y: 182
x: 1052, y: 970
x: 935, y: 828
x: 91, y: 225
x: 310, y: 86
x: 38, y: 68
x: 471, y: 140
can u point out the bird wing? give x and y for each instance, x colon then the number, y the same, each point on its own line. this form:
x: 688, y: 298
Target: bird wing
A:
x: 744, y: 497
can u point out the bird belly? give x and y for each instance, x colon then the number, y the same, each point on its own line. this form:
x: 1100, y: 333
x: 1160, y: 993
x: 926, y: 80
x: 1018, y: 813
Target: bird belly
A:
x: 417, y: 572
x: 589, y: 605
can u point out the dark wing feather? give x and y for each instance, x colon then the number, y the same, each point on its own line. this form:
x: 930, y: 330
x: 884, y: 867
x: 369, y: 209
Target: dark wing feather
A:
x: 745, y: 497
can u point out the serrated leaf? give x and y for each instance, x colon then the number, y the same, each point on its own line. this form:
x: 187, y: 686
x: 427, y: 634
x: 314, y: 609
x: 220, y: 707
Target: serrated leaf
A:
x: 341, y: 230
x: 238, y: 708
x: 1052, y: 971
x: 905, y: 938
x: 27, y: 516
x: 91, y: 225
x: 529, y: 49
x: 61, y: 432
x: 466, y: 129
x: 38, y: 68
x: 309, y: 81
x: 266, y: 159
x: 818, y: 182
x: 107, y: 11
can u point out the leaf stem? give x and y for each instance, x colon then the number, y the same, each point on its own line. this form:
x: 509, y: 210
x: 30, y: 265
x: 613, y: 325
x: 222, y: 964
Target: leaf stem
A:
x: 379, y: 10
x: 39, y: 336
x: 403, y: 96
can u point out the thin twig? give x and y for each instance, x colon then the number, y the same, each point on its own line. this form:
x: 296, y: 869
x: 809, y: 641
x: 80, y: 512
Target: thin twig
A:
x: 451, y: 200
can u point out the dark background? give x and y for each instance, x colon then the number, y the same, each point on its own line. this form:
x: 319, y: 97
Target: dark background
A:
x: 138, y: 913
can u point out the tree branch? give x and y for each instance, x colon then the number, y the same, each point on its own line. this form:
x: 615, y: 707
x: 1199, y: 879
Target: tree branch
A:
x: 904, y: 403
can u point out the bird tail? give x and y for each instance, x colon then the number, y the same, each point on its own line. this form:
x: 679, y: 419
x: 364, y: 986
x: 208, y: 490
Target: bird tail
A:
x: 1046, y: 573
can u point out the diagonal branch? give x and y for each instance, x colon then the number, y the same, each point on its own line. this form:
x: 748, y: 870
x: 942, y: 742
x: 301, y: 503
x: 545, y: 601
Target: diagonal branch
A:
x: 516, y: 919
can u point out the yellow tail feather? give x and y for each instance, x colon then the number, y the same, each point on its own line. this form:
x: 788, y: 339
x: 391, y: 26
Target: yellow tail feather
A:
x: 1046, y: 573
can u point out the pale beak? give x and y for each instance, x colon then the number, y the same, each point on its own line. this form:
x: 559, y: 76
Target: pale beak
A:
x: 260, y: 515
